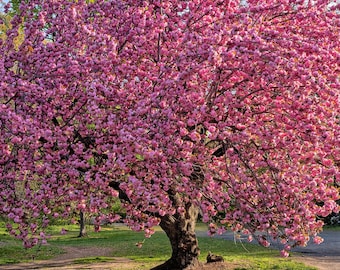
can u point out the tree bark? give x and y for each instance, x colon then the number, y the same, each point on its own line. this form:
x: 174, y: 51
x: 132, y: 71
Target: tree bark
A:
x: 180, y: 230
x: 82, y: 229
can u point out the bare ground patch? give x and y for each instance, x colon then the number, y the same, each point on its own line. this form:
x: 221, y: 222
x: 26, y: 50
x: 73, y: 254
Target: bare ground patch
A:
x: 321, y: 263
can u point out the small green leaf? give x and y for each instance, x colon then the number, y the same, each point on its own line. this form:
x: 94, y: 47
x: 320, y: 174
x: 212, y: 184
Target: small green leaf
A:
x: 60, y: 120
x: 262, y: 170
x: 91, y: 161
x: 91, y: 126
x: 139, y: 157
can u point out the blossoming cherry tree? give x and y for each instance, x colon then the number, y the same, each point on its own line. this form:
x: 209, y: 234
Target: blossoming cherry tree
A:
x: 223, y: 110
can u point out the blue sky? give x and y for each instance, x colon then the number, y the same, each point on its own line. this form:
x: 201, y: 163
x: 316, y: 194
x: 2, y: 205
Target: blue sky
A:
x: 2, y: 3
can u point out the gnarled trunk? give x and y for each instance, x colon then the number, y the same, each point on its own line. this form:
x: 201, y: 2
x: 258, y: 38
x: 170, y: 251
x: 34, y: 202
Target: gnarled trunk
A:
x: 180, y: 230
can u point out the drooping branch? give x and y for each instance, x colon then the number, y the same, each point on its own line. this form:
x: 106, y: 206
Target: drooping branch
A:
x: 122, y: 195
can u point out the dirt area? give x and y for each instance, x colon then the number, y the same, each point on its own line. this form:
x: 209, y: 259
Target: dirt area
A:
x: 66, y: 261
x: 321, y: 263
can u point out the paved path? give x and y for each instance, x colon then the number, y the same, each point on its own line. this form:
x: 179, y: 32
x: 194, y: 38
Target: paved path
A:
x: 325, y: 256
x: 329, y: 247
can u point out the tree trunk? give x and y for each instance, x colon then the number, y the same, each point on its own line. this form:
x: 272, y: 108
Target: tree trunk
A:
x: 180, y: 230
x: 82, y: 229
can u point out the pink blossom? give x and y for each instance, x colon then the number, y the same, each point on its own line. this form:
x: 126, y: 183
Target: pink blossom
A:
x: 327, y: 162
x: 317, y: 240
x: 284, y: 253
x: 161, y: 212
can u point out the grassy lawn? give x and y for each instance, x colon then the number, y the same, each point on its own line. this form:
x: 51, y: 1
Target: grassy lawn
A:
x: 154, y: 251
x: 331, y: 228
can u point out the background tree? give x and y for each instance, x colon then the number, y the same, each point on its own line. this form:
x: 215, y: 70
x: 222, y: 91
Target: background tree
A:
x: 178, y: 108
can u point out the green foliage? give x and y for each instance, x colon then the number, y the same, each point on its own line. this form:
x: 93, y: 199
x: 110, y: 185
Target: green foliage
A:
x: 117, y: 208
x: 93, y: 260
x: 91, y: 161
x: 15, y: 6
x: 139, y: 157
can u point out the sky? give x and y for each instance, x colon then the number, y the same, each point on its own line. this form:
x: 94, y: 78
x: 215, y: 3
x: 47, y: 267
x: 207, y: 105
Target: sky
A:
x: 2, y: 3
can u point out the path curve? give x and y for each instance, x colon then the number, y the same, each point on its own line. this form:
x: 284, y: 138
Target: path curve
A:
x: 325, y: 256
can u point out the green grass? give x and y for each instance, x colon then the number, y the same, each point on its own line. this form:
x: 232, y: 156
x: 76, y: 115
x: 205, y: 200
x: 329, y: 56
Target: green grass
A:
x: 88, y: 260
x: 331, y: 228
x: 12, y: 251
x: 154, y: 251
